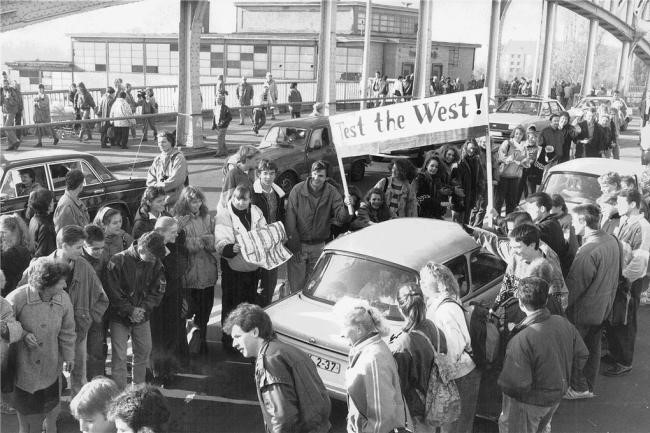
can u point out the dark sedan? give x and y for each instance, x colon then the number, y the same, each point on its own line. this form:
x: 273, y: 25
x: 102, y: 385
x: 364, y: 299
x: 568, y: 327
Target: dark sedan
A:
x: 49, y: 168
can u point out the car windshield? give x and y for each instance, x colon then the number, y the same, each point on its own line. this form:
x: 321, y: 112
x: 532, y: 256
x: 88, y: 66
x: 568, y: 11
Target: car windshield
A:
x: 520, y: 107
x: 338, y: 275
x: 284, y: 136
x: 576, y: 188
x: 595, y: 103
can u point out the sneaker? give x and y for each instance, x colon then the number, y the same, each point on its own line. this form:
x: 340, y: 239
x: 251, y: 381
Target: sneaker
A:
x: 572, y: 394
x: 617, y: 370
x: 5, y: 409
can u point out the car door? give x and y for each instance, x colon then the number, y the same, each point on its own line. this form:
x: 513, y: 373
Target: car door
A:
x: 93, y: 192
x: 13, y: 194
x: 320, y: 147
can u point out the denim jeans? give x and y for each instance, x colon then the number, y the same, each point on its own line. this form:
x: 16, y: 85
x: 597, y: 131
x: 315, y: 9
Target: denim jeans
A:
x: 302, y: 263
x: 140, y: 334
x: 518, y: 417
x: 468, y: 387
x: 78, y: 373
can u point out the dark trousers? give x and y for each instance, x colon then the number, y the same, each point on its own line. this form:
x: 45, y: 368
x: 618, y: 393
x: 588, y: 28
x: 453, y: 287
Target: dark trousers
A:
x: 620, y: 338
x: 146, y: 124
x: 477, y: 213
x: 19, y: 121
x: 97, y: 349
x: 103, y: 138
x: 236, y: 287
x: 585, y: 379
x: 527, y: 186
x: 121, y: 136
x: 508, y: 190
x: 269, y: 278
x: 295, y: 114
x: 202, y: 300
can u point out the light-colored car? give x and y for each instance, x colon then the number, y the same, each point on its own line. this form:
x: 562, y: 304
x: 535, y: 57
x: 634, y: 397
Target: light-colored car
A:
x: 372, y: 264
x: 625, y: 112
x: 524, y: 111
x: 577, y: 180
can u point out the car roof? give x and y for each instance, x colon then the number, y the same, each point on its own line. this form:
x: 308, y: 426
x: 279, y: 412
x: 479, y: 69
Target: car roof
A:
x: 408, y: 242
x: 41, y: 155
x: 305, y: 122
x: 530, y: 98
x: 598, y: 166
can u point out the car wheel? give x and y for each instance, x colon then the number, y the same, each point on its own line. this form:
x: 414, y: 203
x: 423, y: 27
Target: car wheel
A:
x: 357, y: 171
x: 287, y: 181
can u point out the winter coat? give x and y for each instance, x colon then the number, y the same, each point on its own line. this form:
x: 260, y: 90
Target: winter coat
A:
x: 42, y: 109
x: 470, y: 176
x: 10, y: 100
x: 13, y: 263
x: 375, y: 402
x: 295, y: 100
x: 170, y: 169
x: 84, y: 100
x: 258, y: 198
x: 271, y: 89
x: 407, y: 205
x: 367, y: 215
x: 115, y: 243
x: 593, y: 279
x: 104, y: 109
x: 234, y: 177
x: 539, y: 359
x: 201, y: 270
x: 132, y: 282
x: 550, y: 231
x: 41, y: 228
x: 53, y: 324
x: 553, y: 138
x: 121, y: 108
x: 227, y: 225
x: 225, y: 117
x: 143, y: 223
x: 290, y: 391
x: 244, y: 94
x: 70, y: 211
x: 429, y: 192
x: 634, y: 232
x: 309, y: 217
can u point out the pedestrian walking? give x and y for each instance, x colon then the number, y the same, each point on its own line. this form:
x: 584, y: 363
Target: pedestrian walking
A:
x: 295, y: 101
x: 72, y: 98
x: 201, y: 273
x: 42, y: 115
x: 46, y: 314
x: 375, y: 401
x: 121, y: 127
x: 131, y: 101
x: 152, y: 207
x: 297, y: 400
x: 593, y: 279
x: 442, y: 294
x: 239, y: 279
x: 312, y: 205
x: 107, y: 133
x: 41, y: 225
x: 148, y: 105
x: 70, y: 210
x: 19, y: 114
x: 220, y: 87
x: 135, y: 285
x: 10, y: 102
x: 169, y: 169
x: 398, y: 192
x: 542, y: 352
x: 271, y: 93
x: 16, y: 247
x: 85, y: 102
x: 512, y: 161
x: 220, y: 120
x: 245, y: 95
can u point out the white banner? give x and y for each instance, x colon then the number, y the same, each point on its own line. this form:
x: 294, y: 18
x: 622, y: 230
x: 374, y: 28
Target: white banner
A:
x: 265, y: 247
x: 422, y: 122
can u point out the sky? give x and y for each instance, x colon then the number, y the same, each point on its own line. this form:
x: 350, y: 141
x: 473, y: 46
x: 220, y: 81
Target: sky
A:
x: 453, y: 21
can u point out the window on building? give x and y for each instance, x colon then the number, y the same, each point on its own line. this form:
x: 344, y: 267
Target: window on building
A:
x: 454, y: 54
x: 292, y: 62
x: 125, y: 57
x: 90, y: 56
x: 389, y: 23
x: 348, y: 63
x: 217, y: 59
x: 163, y: 58
x: 247, y: 60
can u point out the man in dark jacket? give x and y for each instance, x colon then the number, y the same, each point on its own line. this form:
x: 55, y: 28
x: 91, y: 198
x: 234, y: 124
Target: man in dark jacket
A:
x: 220, y: 122
x: 591, y: 140
x: 313, y: 204
x: 592, y: 280
x: 540, y: 357
x: 135, y: 285
x: 244, y: 95
x: 290, y: 391
x: 11, y: 103
x: 552, y: 138
x: 104, y: 110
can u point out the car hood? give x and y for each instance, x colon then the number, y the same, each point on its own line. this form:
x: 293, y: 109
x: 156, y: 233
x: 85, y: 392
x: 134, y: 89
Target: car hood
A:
x: 275, y: 152
x: 308, y: 320
x: 510, y: 118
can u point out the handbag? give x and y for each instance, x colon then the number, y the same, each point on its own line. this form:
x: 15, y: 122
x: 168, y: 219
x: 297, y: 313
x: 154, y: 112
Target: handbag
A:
x: 110, y: 132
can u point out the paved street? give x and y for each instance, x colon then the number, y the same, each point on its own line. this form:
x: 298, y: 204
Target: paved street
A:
x: 216, y: 394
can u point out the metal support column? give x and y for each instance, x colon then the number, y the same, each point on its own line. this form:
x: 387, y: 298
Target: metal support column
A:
x: 365, y: 67
x: 626, y: 54
x: 493, y: 49
x: 551, y: 18
x: 326, y: 74
x: 538, y: 48
x: 589, y: 60
x: 423, y: 54
x: 189, y: 123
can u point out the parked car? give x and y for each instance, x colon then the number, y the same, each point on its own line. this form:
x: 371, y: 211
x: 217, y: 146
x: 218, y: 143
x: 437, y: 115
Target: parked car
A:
x: 625, y: 113
x: 50, y: 166
x: 524, y: 111
x: 372, y: 264
x: 295, y: 144
x: 577, y: 180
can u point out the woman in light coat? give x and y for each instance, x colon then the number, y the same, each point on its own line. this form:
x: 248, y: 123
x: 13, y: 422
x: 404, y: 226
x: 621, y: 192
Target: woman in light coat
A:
x: 239, y: 278
x: 121, y: 108
x: 42, y: 115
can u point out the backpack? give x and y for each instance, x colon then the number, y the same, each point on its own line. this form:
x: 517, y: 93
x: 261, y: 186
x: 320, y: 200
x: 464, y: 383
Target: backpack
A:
x: 187, y: 178
x: 442, y: 401
x: 485, y: 334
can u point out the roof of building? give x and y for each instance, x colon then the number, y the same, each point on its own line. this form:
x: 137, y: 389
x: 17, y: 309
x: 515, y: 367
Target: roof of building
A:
x: 312, y: 3
x: 47, y: 65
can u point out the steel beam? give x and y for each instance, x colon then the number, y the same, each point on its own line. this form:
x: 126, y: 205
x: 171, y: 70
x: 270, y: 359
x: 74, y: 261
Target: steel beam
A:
x: 325, y: 77
x: 589, y: 59
x: 551, y: 18
x: 423, y: 54
x: 493, y: 49
x: 365, y: 68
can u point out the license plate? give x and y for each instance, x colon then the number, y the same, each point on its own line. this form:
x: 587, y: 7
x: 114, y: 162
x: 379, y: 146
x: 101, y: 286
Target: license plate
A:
x: 326, y: 364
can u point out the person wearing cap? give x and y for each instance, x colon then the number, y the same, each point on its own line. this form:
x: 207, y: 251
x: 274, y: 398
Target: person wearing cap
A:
x: 135, y: 284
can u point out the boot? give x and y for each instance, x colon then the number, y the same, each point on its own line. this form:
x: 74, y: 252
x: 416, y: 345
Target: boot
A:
x: 39, y: 144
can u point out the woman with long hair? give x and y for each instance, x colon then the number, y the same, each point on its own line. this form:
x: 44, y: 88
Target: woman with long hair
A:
x: 201, y: 273
x: 152, y: 206
x: 16, y: 250
x: 442, y: 294
x: 41, y: 225
x: 397, y: 190
x: 512, y: 160
x: 470, y: 176
x: 431, y: 189
x: 372, y: 210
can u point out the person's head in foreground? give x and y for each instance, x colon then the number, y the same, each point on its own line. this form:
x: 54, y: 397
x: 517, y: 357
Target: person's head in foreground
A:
x: 141, y: 409
x: 250, y: 327
x: 532, y: 294
x: 359, y: 320
x: 90, y: 405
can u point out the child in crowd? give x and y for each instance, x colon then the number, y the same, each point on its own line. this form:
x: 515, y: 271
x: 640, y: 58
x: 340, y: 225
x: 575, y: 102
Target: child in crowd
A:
x: 115, y: 238
x: 140, y: 409
x: 90, y: 406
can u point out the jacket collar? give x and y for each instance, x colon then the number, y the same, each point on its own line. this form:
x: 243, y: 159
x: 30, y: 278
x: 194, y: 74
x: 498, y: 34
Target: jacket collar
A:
x: 34, y: 298
x: 538, y: 316
x: 73, y: 199
x: 257, y: 188
x: 358, y: 347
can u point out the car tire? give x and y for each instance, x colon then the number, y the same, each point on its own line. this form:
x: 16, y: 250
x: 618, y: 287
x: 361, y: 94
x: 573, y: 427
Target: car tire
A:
x: 357, y: 171
x: 287, y: 180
